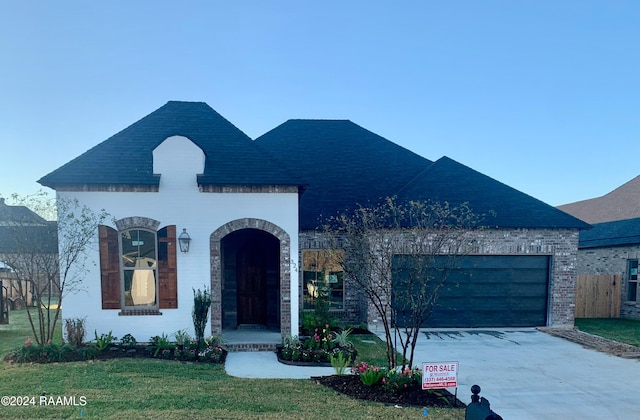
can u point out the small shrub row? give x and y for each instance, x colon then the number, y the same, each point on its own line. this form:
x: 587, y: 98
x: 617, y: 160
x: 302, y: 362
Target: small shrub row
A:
x: 391, y: 380
x: 107, y: 346
x: 323, y: 346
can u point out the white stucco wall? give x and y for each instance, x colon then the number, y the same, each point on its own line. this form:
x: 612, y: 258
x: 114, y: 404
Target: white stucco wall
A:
x: 178, y: 202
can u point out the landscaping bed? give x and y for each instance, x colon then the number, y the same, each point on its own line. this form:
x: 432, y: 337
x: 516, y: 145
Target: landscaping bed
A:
x: 413, y: 395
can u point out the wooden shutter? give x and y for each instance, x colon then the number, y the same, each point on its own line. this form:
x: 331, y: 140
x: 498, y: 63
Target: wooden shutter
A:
x: 167, y: 268
x: 109, y: 267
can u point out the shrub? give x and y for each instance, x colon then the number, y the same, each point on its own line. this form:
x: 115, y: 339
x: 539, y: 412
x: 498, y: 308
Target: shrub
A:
x: 342, y: 338
x: 104, y: 341
x: 182, y: 337
x: 200, y: 313
x: 339, y: 363
x: 75, y: 331
x: 369, y: 374
x: 162, y: 346
x: 398, y: 381
x: 128, y: 342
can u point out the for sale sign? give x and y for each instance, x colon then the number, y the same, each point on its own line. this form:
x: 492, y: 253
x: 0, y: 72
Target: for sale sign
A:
x: 436, y: 375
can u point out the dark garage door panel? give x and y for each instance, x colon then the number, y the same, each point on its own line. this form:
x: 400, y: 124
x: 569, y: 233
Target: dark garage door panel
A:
x: 493, y: 291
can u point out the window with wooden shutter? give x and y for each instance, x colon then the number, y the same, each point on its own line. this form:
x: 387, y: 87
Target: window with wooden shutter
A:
x: 167, y: 268
x: 109, y: 267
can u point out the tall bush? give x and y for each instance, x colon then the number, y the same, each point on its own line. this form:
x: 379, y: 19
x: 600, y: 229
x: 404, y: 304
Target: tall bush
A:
x: 200, y: 314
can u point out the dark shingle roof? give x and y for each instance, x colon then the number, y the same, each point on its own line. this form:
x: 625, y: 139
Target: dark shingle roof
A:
x: 617, y: 233
x: 29, y: 239
x: 342, y: 163
x: 126, y: 158
x: 18, y: 215
x: 450, y: 181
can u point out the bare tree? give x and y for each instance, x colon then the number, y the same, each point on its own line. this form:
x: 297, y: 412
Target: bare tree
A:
x: 48, y: 260
x: 400, y: 256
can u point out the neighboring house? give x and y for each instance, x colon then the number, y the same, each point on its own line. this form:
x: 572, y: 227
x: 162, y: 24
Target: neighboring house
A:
x: 612, y: 247
x: 24, y: 236
x: 252, y: 209
x: 620, y: 204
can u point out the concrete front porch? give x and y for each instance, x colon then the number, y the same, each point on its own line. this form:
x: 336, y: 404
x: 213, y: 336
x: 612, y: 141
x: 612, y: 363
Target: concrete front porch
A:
x: 251, y: 340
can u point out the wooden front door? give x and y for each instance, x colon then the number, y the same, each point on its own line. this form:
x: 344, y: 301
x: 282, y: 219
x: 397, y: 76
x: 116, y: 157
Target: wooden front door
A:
x: 252, y: 285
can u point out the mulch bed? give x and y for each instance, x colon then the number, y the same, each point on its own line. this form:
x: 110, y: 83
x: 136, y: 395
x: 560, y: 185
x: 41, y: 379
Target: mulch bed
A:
x: 352, y: 386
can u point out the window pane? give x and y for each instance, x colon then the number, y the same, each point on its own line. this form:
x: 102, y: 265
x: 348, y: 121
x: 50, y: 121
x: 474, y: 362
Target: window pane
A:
x: 321, y: 275
x: 138, y: 248
x: 139, y: 287
x: 632, y: 281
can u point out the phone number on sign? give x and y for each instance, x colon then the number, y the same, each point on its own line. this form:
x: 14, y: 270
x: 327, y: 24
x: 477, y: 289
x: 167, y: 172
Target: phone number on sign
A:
x: 25, y: 400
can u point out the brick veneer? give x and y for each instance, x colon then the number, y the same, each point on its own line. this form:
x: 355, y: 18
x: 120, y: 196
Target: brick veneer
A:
x: 561, y: 245
x: 612, y: 260
x: 216, y: 270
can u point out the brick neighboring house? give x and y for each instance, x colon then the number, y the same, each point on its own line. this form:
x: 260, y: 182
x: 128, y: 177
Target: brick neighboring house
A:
x: 252, y: 209
x: 23, y: 236
x: 612, y: 247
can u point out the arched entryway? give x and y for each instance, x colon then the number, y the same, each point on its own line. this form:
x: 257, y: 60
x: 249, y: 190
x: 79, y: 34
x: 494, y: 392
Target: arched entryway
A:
x: 250, y: 277
x: 250, y: 280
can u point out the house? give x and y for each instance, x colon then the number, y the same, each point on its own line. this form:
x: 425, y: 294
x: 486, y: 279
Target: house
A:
x: 612, y: 247
x: 620, y: 204
x: 26, y: 240
x: 252, y: 208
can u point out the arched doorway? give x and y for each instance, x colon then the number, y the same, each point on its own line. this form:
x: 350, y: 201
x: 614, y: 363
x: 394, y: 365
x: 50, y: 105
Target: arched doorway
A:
x: 250, y: 280
x: 250, y: 276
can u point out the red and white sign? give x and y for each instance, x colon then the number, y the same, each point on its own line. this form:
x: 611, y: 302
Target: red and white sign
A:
x: 437, y: 375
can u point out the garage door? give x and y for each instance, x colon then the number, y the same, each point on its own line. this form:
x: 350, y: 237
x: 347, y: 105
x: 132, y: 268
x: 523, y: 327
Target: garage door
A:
x: 488, y: 291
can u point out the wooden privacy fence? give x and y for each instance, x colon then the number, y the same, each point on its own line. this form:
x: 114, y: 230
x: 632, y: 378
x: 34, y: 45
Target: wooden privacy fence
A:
x: 598, y: 296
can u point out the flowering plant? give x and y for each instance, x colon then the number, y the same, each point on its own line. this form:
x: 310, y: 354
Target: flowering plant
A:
x: 399, y: 380
x: 320, y: 347
x: 369, y: 374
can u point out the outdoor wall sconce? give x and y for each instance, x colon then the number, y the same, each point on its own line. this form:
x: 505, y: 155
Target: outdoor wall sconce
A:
x: 184, y: 240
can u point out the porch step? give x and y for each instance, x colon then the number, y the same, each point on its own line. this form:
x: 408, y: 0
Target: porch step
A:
x: 250, y: 346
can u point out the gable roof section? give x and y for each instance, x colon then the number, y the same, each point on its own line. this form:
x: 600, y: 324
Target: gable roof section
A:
x: 501, y: 205
x: 343, y: 164
x: 619, y: 204
x: 610, y: 234
x: 126, y: 158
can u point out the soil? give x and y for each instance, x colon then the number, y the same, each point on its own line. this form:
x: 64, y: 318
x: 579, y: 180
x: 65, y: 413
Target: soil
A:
x: 352, y: 386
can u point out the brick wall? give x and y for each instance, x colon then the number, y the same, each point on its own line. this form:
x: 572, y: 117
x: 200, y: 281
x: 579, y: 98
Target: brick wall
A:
x: 561, y: 245
x: 612, y: 261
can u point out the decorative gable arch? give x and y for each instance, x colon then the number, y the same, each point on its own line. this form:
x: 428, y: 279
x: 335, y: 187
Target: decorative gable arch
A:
x: 216, y: 269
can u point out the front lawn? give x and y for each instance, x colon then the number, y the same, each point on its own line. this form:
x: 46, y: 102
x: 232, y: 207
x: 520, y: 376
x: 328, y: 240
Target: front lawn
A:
x: 621, y: 330
x: 148, y: 388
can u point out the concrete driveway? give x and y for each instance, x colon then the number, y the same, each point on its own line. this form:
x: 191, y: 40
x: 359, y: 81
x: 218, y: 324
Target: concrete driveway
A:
x: 527, y: 374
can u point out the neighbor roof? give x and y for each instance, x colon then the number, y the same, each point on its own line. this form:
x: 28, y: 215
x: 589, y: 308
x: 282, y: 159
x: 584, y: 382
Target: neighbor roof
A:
x: 621, y: 203
x: 500, y: 205
x: 343, y: 164
x: 18, y: 215
x: 231, y: 158
x: 38, y: 239
x: 609, y: 234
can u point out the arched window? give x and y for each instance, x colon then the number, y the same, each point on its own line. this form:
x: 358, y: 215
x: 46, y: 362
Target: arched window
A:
x: 139, y: 268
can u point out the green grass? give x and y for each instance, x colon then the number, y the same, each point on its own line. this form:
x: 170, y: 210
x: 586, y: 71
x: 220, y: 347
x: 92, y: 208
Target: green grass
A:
x: 622, y: 330
x: 141, y: 388
x: 371, y: 349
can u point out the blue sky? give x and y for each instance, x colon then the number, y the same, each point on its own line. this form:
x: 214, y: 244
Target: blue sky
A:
x: 543, y: 96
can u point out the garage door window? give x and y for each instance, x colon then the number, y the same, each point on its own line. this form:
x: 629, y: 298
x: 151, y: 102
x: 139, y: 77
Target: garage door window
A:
x: 632, y: 291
